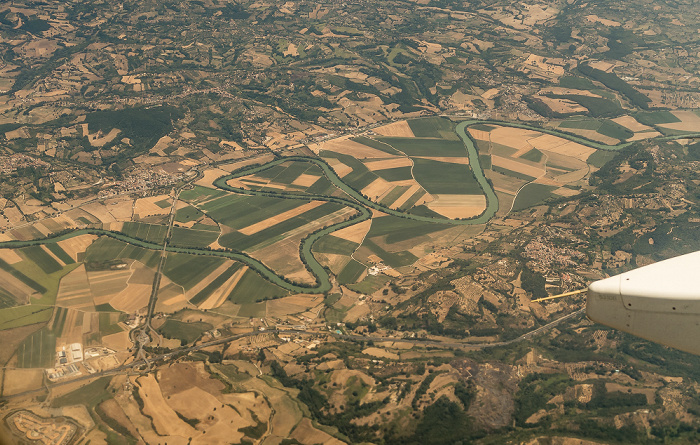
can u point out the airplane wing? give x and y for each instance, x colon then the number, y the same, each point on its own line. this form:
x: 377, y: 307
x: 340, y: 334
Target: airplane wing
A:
x: 659, y: 302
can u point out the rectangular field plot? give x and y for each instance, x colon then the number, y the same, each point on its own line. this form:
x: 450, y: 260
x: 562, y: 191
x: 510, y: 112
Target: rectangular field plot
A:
x: 187, y: 270
x: 351, y: 272
x: 445, y: 178
x: 188, y: 214
x: 432, y: 127
x: 397, y: 229
x: 38, y: 350
x: 41, y: 258
x: 253, y: 288
x: 148, y: 232
x: 199, y: 194
x: 239, y: 211
x: 107, y: 249
x: 335, y: 245
x: 276, y: 229
x: 215, y: 284
x: 192, y: 238
x: 185, y: 332
x: 427, y: 147
x: 360, y: 176
x: 532, y: 194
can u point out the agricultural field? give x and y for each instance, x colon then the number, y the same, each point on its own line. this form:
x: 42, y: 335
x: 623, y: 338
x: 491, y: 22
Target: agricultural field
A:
x: 527, y: 166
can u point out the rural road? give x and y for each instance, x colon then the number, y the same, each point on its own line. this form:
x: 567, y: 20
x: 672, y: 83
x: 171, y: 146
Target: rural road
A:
x: 358, y: 338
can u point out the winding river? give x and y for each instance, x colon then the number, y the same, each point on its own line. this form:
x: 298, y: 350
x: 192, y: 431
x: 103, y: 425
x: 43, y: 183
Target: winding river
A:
x: 356, y: 201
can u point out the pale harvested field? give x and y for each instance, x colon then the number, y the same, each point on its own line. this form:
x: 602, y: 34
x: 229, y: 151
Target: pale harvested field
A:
x: 110, y: 282
x: 563, y: 191
x: 165, y: 420
x: 517, y: 166
x: 283, y: 258
x: 334, y: 261
x: 147, y: 206
x: 249, y: 403
x: 454, y: 160
x: 210, y: 176
x: 121, y: 209
x: 512, y: 137
x: 594, y: 136
x: 396, y: 129
x: 132, y: 298
x: 572, y: 176
x: 218, y: 297
x: 118, y: 342
x: 458, y: 206
x: 74, y: 290
x: 99, y: 211
x: 382, y: 353
x: 574, y: 150
x: 606, y: 22
x: 77, y: 244
x: 631, y: 124
x: 559, y: 160
x: 305, y: 180
x: 292, y: 305
x: 182, y: 376
x: 279, y: 218
x: 377, y: 188
x: 645, y: 135
x: 20, y: 380
x: 307, y: 434
x: 544, y: 180
x: 503, y: 183
x: 340, y: 169
x: 346, y: 146
x: 480, y: 134
x: 383, y: 164
x: 406, y: 196
x: 72, y: 328
x: 355, y: 233
x: 113, y: 410
x: 240, y: 164
x: 562, y: 106
x: 144, y: 425
x: 19, y: 290
x: 195, y: 403
x: 690, y: 122
x: 204, y: 281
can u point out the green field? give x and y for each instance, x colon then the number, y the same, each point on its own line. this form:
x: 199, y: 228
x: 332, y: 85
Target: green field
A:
x: 88, y: 395
x: 351, y: 272
x: 184, y: 237
x: 253, y: 310
x: 532, y: 194
x: 42, y: 259
x: 185, y: 332
x: 426, y: 147
x: 187, y: 214
x: 514, y: 174
x: 433, y: 127
x: 153, y: 233
x: 393, y: 259
x: 269, y: 235
x: 370, y: 284
x: 109, y: 323
x: 533, y: 155
x: 60, y: 253
x: 215, y: 284
x: 395, y: 174
x: 239, y: 211
x: 360, y: 177
x: 376, y: 144
x: 600, y: 157
x: 253, y: 288
x: 393, y: 195
x: 603, y: 126
x: 653, y: 118
x: 333, y: 244
x: 23, y: 278
x: 401, y: 229
x: 199, y: 193
x: 38, y: 350
x: 107, y: 249
x: 445, y: 178
x: 187, y: 270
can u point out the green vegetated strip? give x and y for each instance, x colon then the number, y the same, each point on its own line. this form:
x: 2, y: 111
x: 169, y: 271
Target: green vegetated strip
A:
x: 215, y: 284
x: 42, y: 259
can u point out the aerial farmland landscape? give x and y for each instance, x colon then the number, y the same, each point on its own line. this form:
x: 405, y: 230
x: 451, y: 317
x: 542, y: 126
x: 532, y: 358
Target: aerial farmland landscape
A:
x: 249, y: 222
